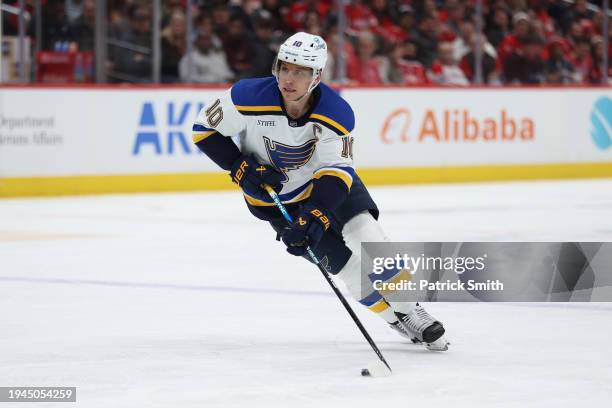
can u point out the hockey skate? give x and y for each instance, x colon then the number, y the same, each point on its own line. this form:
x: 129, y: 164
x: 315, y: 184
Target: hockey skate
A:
x: 420, y: 327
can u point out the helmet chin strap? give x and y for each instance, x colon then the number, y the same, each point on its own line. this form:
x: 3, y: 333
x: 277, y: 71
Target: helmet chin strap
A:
x: 300, y: 98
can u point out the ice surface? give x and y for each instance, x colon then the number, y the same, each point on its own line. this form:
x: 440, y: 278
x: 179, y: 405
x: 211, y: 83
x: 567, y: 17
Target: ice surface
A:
x: 185, y: 300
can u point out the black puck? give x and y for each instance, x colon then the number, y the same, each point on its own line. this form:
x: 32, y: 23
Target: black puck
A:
x: 365, y: 372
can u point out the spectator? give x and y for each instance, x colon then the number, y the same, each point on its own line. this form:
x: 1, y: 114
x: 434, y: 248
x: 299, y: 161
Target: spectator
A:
x: 587, y: 28
x: 84, y: 26
x: 74, y: 10
x: 426, y: 39
x: 221, y: 16
x: 264, y: 53
x: 404, y: 68
x: 118, y: 18
x: 169, y: 7
x: 578, y: 12
x: 583, y: 61
x: 596, y: 75
x: 426, y: 8
x: 136, y: 65
x: 557, y: 9
x: 277, y: 10
x: 452, y: 15
x: 407, y: 21
x: 499, y: 27
x: 173, y: 47
x: 359, y: 17
x: 516, y: 6
x: 312, y: 24
x: 383, y: 10
x: 204, y: 23
x: 515, y: 40
x: 597, y: 21
x: 610, y: 39
x: 55, y: 27
x: 208, y: 62
x: 296, y: 15
x: 525, y: 65
x: 247, y: 7
x: 462, y: 45
x: 536, y: 29
x: 331, y: 73
x: 367, y: 68
x: 539, y: 9
x: 558, y: 69
x: 445, y: 70
x: 385, y: 27
x: 239, y: 47
x: 575, y: 32
x: 490, y: 63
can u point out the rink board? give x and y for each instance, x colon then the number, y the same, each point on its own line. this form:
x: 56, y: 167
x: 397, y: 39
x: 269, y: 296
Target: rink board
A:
x: 104, y: 140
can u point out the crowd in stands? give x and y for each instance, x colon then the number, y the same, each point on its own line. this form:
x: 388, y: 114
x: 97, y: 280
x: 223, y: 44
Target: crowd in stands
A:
x: 386, y: 41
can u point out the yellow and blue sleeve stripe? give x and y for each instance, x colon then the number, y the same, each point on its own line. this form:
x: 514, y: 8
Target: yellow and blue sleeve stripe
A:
x: 344, y: 173
x: 200, y: 132
x: 222, y: 150
x: 331, y: 186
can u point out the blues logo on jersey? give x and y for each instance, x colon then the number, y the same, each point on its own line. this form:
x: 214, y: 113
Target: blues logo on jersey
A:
x: 286, y: 158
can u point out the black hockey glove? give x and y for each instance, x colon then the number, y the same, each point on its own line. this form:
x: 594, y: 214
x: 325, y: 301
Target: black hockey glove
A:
x: 251, y: 175
x: 307, y: 229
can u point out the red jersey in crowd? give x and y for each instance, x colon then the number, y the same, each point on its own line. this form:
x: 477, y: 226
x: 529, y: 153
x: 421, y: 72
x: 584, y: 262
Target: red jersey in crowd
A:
x: 584, y: 67
x: 389, y: 31
x: 365, y: 72
x: 509, y: 44
x: 359, y: 17
x: 547, y: 22
x: 297, y: 12
x: 413, y: 72
x: 448, y: 74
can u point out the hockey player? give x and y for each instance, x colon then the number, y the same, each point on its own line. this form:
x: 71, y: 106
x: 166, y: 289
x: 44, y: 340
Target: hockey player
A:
x: 293, y: 133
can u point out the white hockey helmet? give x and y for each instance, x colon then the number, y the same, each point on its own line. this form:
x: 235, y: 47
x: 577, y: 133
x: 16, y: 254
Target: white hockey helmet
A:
x: 305, y: 50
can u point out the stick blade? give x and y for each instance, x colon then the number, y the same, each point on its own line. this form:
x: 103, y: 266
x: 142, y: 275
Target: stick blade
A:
x: 376, y: 369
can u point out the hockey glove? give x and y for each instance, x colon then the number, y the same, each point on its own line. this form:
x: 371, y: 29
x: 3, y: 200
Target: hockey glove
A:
x: 307, y: 229
x: 251, y: 175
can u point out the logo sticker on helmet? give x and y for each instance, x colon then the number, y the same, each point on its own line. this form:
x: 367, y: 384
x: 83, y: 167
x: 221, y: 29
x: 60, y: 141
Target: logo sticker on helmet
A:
x: 319, y: 45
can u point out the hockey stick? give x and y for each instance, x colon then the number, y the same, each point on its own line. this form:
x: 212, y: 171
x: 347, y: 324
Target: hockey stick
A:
x: 370, y: 370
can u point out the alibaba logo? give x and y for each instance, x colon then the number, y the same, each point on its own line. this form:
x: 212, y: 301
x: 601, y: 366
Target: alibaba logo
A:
x: 601, y: 123
x: 399, y: 118
x: 457, y: 126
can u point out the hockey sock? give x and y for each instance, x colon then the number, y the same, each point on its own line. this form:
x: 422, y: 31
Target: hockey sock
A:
x: 364, y: 294
x: 380, y: 292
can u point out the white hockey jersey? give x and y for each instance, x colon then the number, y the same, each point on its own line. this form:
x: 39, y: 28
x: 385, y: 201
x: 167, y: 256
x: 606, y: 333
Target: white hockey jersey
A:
x: 318, y: 144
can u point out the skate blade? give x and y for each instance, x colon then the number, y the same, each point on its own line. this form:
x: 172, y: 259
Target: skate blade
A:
x: 440, y: 344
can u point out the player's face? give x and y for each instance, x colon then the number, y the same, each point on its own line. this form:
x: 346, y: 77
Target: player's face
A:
x: 294, y: 81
